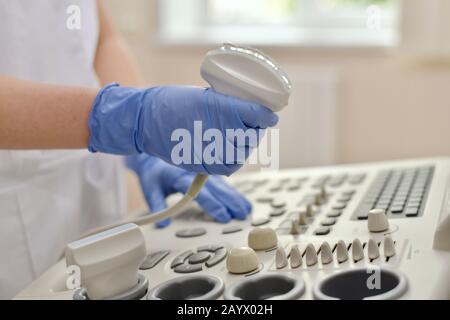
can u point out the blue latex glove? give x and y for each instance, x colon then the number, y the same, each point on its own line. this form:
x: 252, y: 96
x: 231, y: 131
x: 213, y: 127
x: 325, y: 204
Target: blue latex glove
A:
x: 159, y: 179
x: 129, y: 121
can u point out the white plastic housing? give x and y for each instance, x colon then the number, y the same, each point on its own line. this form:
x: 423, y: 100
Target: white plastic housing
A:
x: 108, y: 261
x: 247, y: 74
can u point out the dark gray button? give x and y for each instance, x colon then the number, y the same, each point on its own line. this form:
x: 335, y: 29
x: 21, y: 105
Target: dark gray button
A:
x: 344, y: 199
x: 362, y: 216
x: 328, y: 222
x: 348, y: 192
x: 264, y: 199
x: 181, y: 258
x: 209, y: 248
x: 322, y: 231
x: 397, y: 209
x: 231, y: 229
x: 278, y: 204
x: 188, y: 268
x: 334, y: 213
x: 189, y: 233
x: 276, y: 188
x: 199, y: 257
x: 260, y: 221
x: 153, y: 259
x: 294, y: 187
x: 218, y: 257
x: 338, y: 206
x: 277, y: 212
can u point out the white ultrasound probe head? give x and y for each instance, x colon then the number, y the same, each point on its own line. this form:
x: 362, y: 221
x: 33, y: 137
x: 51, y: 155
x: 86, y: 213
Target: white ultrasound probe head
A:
x: 248, y: 74
x: 242, y: 72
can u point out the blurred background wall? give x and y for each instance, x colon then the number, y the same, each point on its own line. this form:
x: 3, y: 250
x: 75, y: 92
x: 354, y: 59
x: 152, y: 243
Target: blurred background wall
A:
x: 385, y: 103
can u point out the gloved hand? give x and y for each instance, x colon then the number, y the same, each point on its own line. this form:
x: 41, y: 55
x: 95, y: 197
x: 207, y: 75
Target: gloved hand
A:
x: 159, y: 179
x: 129, y: 121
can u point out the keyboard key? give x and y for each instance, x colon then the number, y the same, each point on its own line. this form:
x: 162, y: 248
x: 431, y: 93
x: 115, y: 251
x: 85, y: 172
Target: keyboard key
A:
x: 397, y: 209
x: 328, y: 222
x: 334, y: 213
x: 322, y: 231
x: 338, y: 206
x: 412, y: 212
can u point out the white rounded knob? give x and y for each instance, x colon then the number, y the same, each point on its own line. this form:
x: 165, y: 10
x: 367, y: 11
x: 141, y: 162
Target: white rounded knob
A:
x: 242, y: 260
x: 377, y: 220
x: 262, y: 238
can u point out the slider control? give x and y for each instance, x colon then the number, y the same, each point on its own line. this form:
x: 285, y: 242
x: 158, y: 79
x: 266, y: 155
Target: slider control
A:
x: 295, y: 228
x: 326, y: 256
x: 372, y: 249
x: 389, y: 247
x: 295, y: 257
x: 302, y: 218
x: 341, y: 251
x: 310, y: 255
x: 357, y: 250
x: 280, y: 258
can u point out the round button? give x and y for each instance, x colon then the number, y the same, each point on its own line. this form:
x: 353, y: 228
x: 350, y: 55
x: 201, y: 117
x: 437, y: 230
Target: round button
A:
x: 262, y: 238
x: 242, y: 260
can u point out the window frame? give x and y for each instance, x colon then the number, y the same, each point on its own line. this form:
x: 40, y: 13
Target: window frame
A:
x: 198, y: 32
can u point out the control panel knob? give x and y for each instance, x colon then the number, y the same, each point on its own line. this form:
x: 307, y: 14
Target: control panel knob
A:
x: 302, y: 218
x: 242, y: 260
x: 389, y: 247
x: 341, y: 251
x: 377, y: 220
x: 308, y: 211
x: 357, y: 250
x: 310, y: 255
x: 295, y: 257
x: 108, y: 261
x: 280, y: 258
x: 372, y: 249
x: 262, y: 238
x: 326, y: 256
x: 295, y: 228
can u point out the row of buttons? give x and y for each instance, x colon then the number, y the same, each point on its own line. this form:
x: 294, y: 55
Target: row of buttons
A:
x: 340, y: 249
x: 338, y: 180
